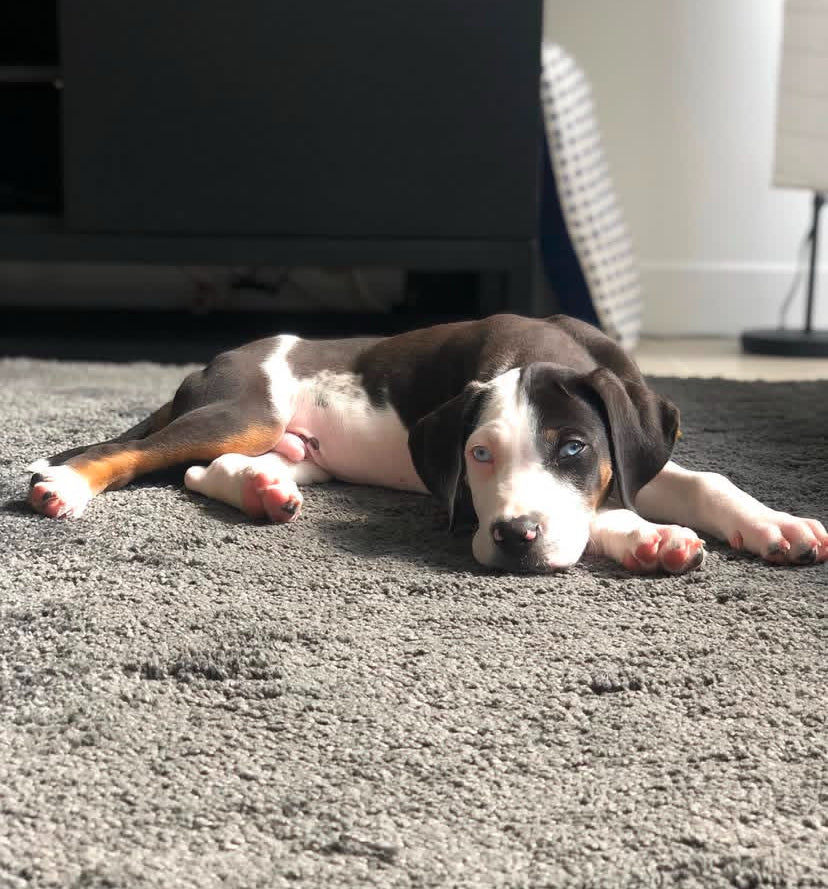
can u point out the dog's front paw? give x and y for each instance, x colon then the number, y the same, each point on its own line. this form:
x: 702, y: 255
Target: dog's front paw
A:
x: 780, y: 538
x: 645, y: 547
x: 669, y: 548
x: 59, y: 492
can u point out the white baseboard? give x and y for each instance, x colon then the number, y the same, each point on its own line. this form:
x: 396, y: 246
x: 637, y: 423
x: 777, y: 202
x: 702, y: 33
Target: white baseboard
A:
x: 723, y: 299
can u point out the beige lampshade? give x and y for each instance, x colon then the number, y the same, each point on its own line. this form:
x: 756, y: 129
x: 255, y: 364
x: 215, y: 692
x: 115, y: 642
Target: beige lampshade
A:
x: 801, y: 159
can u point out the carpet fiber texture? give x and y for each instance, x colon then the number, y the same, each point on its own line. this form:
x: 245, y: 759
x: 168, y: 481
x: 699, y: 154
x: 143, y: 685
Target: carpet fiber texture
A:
x: 192, y: 699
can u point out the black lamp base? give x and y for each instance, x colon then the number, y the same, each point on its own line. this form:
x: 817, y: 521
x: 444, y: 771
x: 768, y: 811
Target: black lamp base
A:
x: 792, y: 343
x: 805, y: 343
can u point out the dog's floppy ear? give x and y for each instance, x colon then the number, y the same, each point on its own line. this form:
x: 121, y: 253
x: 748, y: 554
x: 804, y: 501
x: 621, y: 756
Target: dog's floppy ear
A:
x: 643, y: 428
x: 436, y: 443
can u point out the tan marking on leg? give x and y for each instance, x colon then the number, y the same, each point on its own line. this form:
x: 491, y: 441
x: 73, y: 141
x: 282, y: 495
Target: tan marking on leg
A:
x: 111, y: 471
x: 112, y: 466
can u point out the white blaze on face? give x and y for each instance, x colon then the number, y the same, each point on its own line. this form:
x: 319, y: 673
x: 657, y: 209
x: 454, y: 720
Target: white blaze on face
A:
x: 514, y: 482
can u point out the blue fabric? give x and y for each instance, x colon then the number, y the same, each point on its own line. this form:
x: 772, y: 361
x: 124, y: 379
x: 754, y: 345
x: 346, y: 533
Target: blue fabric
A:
x: 560, y: 262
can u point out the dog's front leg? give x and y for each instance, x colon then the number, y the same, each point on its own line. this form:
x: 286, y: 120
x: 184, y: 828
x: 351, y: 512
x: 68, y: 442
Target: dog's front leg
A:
x: 263, y: 487
x: 710, y: 503
x: 642, y: 546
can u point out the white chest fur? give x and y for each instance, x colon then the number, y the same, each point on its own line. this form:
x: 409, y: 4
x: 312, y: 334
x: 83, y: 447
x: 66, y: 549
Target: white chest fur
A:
x: 357, y: 441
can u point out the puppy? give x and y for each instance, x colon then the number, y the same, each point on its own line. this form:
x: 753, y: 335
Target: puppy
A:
x: 540, y: 433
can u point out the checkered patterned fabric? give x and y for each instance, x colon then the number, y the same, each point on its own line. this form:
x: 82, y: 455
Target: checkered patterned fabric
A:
x: 590, y: 211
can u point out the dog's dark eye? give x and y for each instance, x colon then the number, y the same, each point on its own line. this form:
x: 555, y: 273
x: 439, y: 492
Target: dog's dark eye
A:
x: 571, y: 448
x: 481, y: 454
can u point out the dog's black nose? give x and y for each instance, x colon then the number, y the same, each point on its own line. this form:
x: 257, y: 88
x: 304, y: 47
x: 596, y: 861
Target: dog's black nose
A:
x: 515, y: 536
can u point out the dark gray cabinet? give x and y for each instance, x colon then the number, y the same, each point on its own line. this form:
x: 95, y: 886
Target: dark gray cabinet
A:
x: 265, y: 131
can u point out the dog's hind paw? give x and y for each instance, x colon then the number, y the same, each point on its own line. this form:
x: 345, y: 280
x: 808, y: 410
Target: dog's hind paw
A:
x: 59, y: 492
x: 267, y: 496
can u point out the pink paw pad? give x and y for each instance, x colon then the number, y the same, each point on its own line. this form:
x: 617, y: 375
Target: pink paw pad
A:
x: 683, y: 556
x: 46, y: 500
x: 675, y: 550
x: 264, y: 495
x: 782, y: 539
x: 807, y: 541
x: 62, y: 493
x: 648, y: 550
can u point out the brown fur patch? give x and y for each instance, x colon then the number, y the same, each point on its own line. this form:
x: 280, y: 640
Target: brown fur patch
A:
x: 550, y: 435
x: 161, y: 417
x: 605, y: 483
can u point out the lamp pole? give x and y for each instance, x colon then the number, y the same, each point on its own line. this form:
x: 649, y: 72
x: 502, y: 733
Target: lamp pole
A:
x: 819, y: 200
x: 806, y: 341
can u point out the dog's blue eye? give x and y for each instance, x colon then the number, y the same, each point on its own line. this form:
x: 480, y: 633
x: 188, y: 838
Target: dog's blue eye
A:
x: 481, y: 454
x: 571, y: 448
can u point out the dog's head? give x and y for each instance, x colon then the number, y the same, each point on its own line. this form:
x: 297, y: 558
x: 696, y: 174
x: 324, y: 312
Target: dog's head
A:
x: 533, y: 453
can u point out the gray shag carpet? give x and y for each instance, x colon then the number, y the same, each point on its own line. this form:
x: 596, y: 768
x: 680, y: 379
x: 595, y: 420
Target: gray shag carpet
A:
x: 190, y: 699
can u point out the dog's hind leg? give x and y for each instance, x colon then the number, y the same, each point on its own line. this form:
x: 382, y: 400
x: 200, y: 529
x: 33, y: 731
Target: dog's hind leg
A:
x: 201, y: 434
x: 152, y: 423
x: 264, y: 487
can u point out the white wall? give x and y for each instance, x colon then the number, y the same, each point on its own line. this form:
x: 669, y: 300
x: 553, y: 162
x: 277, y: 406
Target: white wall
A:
x: 685, y: 92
